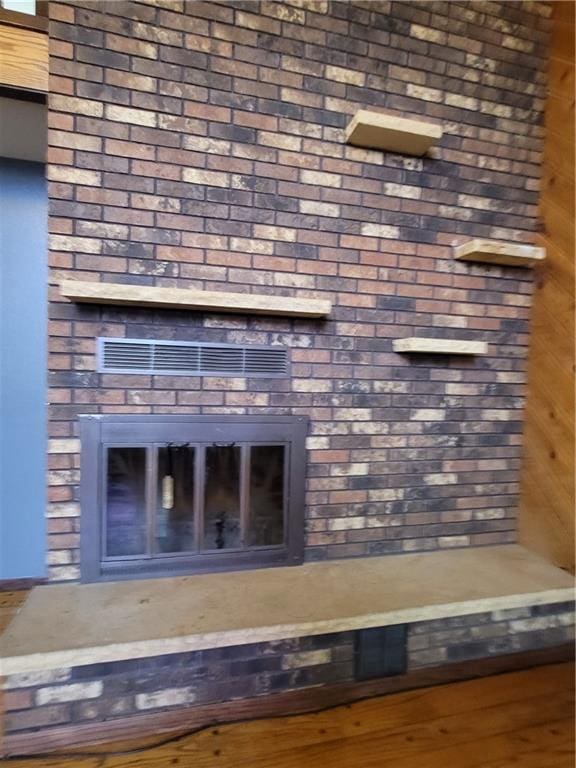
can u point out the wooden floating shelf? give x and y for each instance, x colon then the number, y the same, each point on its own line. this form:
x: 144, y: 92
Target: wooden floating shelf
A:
x: 23, y: 56
x: 414, y: 344
x: 393, y: 134
x: 182, y: 298
x: 496, y: 252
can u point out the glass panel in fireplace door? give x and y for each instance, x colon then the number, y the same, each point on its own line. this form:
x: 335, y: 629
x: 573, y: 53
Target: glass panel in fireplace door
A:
x: 126, y: 502
x: 222, y: 526
x: 266, y: 520
x: 175, y: 499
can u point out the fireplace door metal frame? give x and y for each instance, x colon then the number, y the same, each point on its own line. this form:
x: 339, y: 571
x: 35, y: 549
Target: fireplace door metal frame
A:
x: 100, y: 432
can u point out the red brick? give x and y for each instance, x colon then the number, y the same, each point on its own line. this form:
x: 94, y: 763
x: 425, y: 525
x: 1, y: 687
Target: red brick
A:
x: 37, y: 718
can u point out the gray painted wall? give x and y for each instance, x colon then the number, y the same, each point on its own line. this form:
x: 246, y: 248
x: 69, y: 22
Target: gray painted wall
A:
x: 23, y: 288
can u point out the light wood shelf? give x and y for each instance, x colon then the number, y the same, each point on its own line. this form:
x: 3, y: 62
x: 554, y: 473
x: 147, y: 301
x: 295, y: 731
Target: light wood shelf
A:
x: 182, y: 298
x: 415, y: 344
x: 23, y: 58
x: 497, y: 252
x: 390, y: 133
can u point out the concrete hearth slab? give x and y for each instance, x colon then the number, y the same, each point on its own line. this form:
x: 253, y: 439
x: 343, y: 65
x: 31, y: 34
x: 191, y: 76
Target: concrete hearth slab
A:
x: 75, y: 624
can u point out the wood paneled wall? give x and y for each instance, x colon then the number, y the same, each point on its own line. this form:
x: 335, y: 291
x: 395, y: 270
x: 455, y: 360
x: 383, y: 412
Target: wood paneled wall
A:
x: 547, y: 488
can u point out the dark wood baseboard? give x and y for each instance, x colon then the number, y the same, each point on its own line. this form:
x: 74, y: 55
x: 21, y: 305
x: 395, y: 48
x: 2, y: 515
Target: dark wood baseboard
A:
x: 19, y: 585
x: 158, y: 726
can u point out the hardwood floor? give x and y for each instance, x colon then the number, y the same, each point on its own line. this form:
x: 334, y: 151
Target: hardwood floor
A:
x: 518, y: 720
x: 10, y: 601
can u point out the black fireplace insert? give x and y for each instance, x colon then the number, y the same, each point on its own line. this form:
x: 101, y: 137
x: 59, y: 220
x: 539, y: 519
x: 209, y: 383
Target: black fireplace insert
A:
x: 164, y: 495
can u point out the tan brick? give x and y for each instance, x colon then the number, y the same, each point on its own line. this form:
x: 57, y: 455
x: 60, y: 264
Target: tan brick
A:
x: 74, y: 176
x: 313, y: 443
x: 540, y: 623
x: 64, y: 509
x: 59, y: 557
x: 288, y: 279
x: 42, y: 677
x: 464, y: 102
x: 75, y: 141
x: 369, y: 428
x: 499, y: 110
x: 321, y: 179
x: 250, y: 245
x: 211, y: 382
x: 131, y: 46
x: 352, y: 469
x: 206, y: 144
x: 306, y: 659
x: 169, y: 697
x: 130, y: 115
x: 347, y: 523
x: 102, y: 229
x: 280, y: 140
x: 311, y: 385
x: 316, y: 6
x: 64, y: 572
x: 64, y: 445
x: 64, y: 477
x: 267, y: 232
x: 443, y: 478
x: 402, y: 190
x: 262, y: 24
x: 349, y: 76
x: 386, y: 494
x: 353, y: 414
x: 319, y: 209
x: 72, y: 692
x: 380, y: 230
x: 517, y: 44
x: 76, y: 106
x: 283, y: 12
x: 209, y: 178
x: 428, y: 33
x: 428, y: 414
x: 426, y: 94
x: 77, y: 244
x: 131, y: 80
x: 493, y: 414
x: 448, y: 542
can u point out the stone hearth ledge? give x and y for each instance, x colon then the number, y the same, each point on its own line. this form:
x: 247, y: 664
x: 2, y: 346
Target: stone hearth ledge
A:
x: 68, y: 625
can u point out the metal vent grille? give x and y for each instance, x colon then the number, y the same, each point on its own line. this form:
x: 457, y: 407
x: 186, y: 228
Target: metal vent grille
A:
x: 188, y: 358
x: 380, y: 652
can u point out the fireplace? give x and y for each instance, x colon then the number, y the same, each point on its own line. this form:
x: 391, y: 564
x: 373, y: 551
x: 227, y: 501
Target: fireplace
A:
x: 184, y: 494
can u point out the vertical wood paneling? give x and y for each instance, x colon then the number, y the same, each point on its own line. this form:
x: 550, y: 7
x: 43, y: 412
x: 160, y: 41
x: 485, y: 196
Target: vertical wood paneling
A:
x: 547, y: 488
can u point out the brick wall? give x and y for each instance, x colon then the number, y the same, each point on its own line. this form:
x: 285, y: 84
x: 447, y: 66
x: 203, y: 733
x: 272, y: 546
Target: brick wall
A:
x: 201, y: 145
x: 463, y: 638
x: 127, y: 688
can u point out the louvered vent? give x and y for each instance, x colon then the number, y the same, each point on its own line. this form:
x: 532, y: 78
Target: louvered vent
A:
x: 188, y: 358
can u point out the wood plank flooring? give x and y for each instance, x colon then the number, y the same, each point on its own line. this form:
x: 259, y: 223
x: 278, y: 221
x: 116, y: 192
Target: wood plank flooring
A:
x: 10, y: 602
x: 517, y: 720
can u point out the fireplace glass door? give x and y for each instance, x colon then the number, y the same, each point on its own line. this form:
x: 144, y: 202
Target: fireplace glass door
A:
x: 166, y: 494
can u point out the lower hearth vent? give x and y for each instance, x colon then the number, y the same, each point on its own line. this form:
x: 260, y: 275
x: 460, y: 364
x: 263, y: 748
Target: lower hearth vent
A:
x: 189, y: 358
x: 380, y: 652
